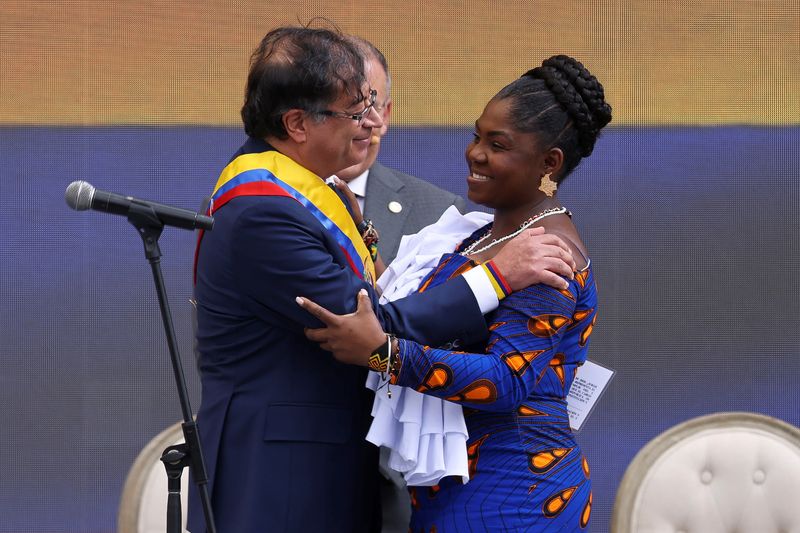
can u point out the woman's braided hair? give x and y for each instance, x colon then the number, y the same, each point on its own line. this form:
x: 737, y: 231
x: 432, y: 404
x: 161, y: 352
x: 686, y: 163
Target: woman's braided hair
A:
x: 563, y: 104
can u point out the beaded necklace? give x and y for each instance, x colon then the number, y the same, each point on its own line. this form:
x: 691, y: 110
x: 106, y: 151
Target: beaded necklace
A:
x: 470, y: 250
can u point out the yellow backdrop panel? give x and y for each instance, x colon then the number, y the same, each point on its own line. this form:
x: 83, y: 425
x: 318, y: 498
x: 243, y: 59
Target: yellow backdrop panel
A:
x: 184, y: 62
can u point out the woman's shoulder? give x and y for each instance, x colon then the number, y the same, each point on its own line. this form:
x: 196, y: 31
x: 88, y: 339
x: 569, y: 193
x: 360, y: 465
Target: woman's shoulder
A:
x: 563, y: 227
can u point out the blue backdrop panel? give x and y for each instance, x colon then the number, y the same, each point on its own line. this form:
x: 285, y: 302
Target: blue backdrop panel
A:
x: 693, y: 233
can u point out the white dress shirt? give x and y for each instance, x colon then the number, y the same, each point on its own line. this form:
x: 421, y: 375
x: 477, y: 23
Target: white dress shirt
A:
x: 359, y: 187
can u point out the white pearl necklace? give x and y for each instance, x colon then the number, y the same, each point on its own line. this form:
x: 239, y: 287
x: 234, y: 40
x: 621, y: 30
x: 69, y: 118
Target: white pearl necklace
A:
x: 470, y: 250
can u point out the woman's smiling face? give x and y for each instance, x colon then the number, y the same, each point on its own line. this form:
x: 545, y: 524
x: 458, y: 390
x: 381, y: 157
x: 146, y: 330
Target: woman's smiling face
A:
x: 505, y: 165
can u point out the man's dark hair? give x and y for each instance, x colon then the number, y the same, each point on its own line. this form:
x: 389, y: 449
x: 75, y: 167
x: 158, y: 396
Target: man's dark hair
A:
x: 563, y: 104
x: 298, y: 68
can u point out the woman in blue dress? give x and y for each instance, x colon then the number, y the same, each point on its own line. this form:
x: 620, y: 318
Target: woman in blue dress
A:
x: 527, y: 473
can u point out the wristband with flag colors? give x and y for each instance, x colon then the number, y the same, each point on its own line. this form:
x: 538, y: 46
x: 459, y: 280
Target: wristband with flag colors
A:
x: 499, y: 283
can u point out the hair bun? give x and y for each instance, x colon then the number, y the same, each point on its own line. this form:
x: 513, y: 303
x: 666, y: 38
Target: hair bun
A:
x: 579, y: 93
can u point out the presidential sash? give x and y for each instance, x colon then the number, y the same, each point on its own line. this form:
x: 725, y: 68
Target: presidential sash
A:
x: 271, y: 173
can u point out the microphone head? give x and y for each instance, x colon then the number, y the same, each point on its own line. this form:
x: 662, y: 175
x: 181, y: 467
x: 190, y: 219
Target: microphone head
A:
x: 79, y: 195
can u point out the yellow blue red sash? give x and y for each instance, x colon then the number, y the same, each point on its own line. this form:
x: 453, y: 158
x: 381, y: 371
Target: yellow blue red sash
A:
x: 271, y: 173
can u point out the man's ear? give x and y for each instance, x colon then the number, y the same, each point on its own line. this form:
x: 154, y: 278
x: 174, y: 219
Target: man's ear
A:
x: 295, y: 121
x: 386, y: 115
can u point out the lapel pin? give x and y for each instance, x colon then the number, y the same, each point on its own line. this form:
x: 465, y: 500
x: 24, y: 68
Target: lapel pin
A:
x: 395, y: 207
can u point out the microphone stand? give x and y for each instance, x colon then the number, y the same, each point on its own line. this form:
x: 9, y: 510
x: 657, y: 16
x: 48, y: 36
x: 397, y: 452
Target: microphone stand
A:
x: 178, y: 457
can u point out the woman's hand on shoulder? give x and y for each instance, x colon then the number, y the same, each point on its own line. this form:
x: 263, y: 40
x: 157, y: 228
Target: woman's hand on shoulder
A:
x: 351, y: 338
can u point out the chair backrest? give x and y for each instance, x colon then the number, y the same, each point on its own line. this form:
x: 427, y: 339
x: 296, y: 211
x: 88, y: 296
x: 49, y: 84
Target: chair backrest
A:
x: 720, y: 473
x: 143, y: 505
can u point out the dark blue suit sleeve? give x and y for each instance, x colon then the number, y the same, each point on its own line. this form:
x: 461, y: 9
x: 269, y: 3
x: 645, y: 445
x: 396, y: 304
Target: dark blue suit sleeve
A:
x: 438, y: 315
x: 282, y: 252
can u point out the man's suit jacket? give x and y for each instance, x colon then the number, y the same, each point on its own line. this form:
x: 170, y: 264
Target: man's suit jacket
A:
x: 282, y: 423
x: 422, y: 204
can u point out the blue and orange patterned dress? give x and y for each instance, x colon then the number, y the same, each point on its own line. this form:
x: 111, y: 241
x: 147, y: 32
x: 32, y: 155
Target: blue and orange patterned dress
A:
x: 527, y: 473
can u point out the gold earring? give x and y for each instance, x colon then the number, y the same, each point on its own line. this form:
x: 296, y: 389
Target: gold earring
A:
x: 547, y: 185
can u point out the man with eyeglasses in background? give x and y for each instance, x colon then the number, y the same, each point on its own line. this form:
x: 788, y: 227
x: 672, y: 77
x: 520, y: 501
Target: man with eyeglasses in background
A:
x: 397, y: 203
x: 282, y: 423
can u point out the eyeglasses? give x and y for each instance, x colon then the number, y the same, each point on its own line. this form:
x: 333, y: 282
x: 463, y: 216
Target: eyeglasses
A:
x: 358, y: 117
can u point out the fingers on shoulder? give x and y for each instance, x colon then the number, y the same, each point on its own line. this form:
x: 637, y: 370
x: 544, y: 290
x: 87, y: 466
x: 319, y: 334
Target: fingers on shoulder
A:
x: 316, y: 310
x: 577, y: 254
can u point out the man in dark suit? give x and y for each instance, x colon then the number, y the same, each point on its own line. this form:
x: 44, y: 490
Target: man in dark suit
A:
x: 397, y: 203
x: 282, y: 423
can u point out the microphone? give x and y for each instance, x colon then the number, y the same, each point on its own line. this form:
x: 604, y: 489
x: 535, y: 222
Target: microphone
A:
x: 81, y: 195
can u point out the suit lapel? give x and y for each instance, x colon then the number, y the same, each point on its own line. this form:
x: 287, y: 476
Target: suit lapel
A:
x: 384, y: 187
